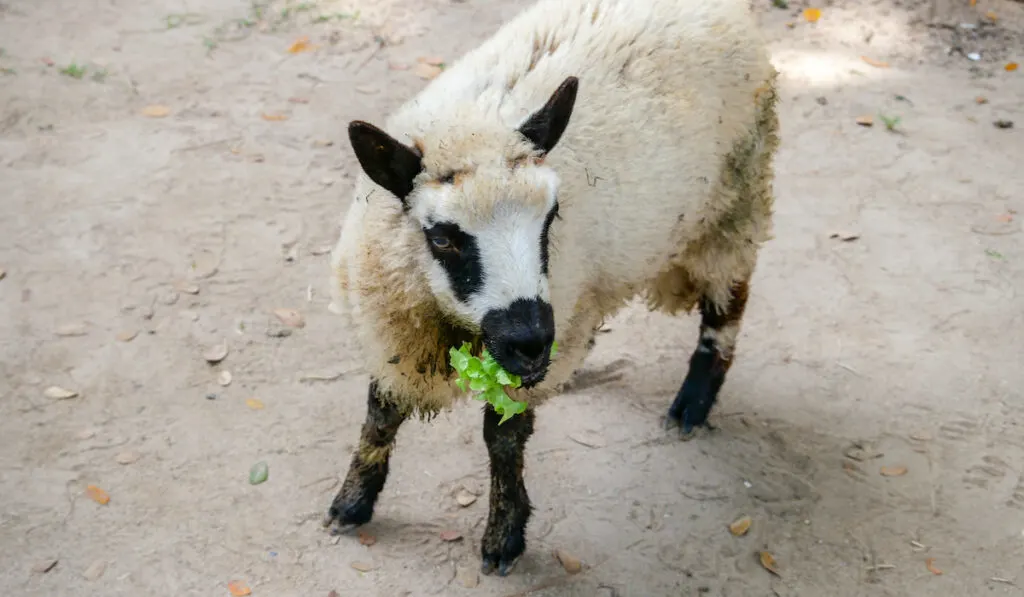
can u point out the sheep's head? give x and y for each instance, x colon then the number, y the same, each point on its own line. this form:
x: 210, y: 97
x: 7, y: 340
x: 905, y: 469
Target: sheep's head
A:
x: 485, y: 202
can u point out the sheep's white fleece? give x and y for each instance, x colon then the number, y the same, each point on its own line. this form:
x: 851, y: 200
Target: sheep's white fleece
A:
x: 665, y: 176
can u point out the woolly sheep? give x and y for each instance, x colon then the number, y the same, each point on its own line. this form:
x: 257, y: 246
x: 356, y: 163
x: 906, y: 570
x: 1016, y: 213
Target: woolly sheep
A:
x: 486, y: 214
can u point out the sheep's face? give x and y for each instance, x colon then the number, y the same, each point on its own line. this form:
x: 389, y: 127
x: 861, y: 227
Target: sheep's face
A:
x: 485, y: 204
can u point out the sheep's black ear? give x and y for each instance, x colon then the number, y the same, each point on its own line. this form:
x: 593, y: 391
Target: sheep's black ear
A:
x: 387, y: 162
x: 545, y: 126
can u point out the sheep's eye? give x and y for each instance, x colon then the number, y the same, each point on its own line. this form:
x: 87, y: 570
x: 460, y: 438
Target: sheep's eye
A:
x: 441, y: 243
x: 447, y: 178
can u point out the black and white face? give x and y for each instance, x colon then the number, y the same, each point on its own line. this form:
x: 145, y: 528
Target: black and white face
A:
x: 489, y: 266
x: 486, y: 233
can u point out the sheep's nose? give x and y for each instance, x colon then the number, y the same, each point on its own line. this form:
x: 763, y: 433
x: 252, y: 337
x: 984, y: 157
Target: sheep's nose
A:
x: 531, y: 350
x: 520, y: 337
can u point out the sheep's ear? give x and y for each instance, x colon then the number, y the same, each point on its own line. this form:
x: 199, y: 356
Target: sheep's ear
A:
x: 387, y: 162
x: 545, y: 126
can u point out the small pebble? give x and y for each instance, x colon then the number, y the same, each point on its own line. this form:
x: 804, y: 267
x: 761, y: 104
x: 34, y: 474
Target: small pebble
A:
x: 465, y: 498
x: 211, y: 396
x: 127, y: 457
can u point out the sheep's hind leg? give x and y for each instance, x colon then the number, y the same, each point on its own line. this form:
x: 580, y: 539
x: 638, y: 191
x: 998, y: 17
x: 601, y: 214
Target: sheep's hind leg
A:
x: 710, y: 361
x: 368, y: 470
x: 504, y: 539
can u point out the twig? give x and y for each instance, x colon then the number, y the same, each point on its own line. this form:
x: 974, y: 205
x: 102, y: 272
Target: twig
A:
x: 880, y: 567
x: 322, y: 376
x: 373, y: 54
x: 105, y: 446
x: 850, y: 369
x: 205, y: 145
x: 1005, y: 581
x: 318, y: 481
x: 71, y: 500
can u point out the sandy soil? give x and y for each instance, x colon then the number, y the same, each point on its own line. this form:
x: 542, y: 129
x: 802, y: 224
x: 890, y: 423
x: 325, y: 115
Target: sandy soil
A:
x: 900, y: 348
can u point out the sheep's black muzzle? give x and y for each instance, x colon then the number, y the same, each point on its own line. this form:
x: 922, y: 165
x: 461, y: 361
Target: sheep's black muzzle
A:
x: 520, y: 338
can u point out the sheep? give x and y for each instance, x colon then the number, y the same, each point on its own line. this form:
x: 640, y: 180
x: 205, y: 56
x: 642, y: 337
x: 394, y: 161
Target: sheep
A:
x: 589, y: 153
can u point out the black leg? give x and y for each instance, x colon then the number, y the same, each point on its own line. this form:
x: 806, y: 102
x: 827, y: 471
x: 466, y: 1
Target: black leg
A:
x: 504, y: 539
x: 710, y: 361
x: 368, y: 470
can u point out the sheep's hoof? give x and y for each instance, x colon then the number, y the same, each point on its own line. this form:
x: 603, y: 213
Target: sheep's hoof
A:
x: 501, y: 550
x: 342, y: 518
x: 502, y: 566
x: 687, y: 431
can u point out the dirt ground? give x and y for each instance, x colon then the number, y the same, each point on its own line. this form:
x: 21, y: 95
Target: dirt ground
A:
x: 900, y: 348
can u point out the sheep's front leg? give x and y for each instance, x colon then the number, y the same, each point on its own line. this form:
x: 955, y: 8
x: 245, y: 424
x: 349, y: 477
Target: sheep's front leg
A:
x: 504, y: 539
x: 710, y: 361
x: 368, y: 470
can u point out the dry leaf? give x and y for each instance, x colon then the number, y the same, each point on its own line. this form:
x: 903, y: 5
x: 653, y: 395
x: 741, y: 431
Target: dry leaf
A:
x: 366, y: 538
x: 259, y: 472
x: 275, y: 117
x: 981, y: 100
x: 893, y: 471
x: 72, y: 329
x: 367, y: 89
x: 431, y: 60
x: 290, y: 317
x: 217, y: 353
x: 44, y: 566
x: 865, y: 120
x: 740, y: 527
x: 930, y: 565
x: 768, y: 561
x: 875, y: 63
x: 97, y: 495
x: 449, y: 536
x: 992, y: 16
x: 59, y: 393
x: 224, y: 379
x: 362, y: 566
x: 254, y: 404
x: 127, y: 457
x: 426, y: 71
x: 127, y: 335
x: 465, y: 498
x: 811, y: 15
x: 239, y: 588
x: 974, y: 2
x: 301, y: 45
x: 156, y: 111
x: 571, y: 564
x: 333, y: 594
x: 1005, y: 218
x: 1010, y: 67
x: 95, y: 570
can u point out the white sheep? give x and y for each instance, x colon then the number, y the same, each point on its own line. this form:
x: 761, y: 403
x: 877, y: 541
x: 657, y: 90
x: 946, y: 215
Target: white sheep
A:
x: 487, y: 215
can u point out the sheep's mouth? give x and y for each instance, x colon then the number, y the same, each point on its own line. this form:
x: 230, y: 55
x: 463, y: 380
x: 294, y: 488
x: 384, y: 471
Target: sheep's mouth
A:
x: 533, y: 378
